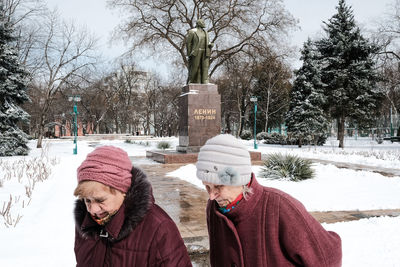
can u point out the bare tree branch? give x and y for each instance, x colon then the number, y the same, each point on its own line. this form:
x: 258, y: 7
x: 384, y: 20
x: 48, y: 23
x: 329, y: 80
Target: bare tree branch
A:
x: 233, y: 25
x: 66, y: 51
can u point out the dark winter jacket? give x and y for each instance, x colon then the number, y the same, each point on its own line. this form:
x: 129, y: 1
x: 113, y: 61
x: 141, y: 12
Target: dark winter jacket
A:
x: 270, y: 228
x: 139, y: 234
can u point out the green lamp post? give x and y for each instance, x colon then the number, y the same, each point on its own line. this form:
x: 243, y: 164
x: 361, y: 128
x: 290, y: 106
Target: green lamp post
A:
x: 75, y: 99
x: 254, y: 99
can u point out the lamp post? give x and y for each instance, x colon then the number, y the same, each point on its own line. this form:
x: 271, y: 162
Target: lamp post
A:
x: 74, y: 99
x: 254, y: 99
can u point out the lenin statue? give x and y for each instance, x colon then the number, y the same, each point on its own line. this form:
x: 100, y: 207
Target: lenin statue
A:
x: 198, y: 48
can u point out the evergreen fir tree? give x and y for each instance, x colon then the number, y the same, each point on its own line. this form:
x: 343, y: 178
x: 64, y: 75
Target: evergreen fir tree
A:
x: 349, y: 71
x: 305, y: 119
x: 12, y: 94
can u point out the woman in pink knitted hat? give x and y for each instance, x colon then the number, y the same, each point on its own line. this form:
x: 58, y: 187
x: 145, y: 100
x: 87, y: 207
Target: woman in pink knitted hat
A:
x: 117, y: 221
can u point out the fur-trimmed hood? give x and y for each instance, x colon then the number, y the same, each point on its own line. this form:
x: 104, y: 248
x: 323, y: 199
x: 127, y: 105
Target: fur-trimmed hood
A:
x: 138, y: 200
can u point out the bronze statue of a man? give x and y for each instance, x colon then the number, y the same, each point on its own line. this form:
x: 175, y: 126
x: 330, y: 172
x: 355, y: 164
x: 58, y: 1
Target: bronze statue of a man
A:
x: 198, y: 48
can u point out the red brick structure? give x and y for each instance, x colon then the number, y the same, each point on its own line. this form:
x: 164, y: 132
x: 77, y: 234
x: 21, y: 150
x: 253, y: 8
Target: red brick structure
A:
x: 89, y: 128
x: 57, y: 130
x: 80, y: 128
x: 68, y: 128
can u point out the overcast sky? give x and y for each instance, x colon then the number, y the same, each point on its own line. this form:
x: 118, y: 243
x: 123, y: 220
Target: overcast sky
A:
x: 311, y: 14
x: 95, y: 15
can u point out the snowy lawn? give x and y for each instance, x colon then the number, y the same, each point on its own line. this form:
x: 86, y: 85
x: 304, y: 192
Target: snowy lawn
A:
x: 44, y: 236
x: 369, y: 242
x: 361, y: 151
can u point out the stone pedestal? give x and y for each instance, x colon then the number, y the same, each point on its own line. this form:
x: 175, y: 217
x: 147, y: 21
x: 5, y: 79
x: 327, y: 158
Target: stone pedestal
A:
x: 174, y: 157
x: 200, y: 116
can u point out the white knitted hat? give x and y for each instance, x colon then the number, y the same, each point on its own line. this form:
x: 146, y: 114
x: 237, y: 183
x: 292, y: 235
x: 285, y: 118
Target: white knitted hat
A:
x: 224, y: 160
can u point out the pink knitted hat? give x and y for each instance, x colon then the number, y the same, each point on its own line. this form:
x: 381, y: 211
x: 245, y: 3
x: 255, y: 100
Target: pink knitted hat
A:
x: 108, y: 165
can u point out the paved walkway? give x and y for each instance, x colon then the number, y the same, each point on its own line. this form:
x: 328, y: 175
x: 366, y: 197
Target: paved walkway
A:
x: 352, y: 215
x: 186, y: 205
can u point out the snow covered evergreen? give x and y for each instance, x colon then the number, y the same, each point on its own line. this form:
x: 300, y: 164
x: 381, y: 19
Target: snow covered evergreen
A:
x: 305, y: 119
x: 13, y: 141
x: 348, y: 71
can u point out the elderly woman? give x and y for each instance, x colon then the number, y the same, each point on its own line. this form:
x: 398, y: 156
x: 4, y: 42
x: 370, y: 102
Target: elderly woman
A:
x: 253, y: 225
x: 117, y: 221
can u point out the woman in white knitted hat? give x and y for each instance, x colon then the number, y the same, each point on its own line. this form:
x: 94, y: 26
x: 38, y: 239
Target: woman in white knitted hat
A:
x: 253, y: 225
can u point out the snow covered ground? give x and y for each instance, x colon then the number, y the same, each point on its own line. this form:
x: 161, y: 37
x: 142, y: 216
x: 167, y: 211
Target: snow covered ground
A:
x: 44, y: 234
x: 361, y: 151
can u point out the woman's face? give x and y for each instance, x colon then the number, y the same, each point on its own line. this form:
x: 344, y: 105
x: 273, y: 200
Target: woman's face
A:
x: 223, y: 194
x: 102, y: 202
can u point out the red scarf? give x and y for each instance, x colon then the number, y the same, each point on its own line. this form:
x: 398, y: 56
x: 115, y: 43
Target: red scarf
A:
x: 234, y: 203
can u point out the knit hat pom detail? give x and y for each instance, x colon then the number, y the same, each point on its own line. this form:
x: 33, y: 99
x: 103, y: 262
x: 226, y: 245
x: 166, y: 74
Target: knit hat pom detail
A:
x: 228, y: 176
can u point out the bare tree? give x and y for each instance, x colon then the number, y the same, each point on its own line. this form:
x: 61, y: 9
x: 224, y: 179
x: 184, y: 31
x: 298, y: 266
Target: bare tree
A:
x: 234, y: 25
x: 66, y: 52
x: 388, y: 32
x: 236, y: 86
x: 122, y: 95
x: 130, y: 82
x: 148, y: 100
x: 256, y: 73
x: 387, y: 36
x: 166, y: 113
x: 26, y: 16
x: 19, y: 12
x: 94, y: 104
x: 272, y: 88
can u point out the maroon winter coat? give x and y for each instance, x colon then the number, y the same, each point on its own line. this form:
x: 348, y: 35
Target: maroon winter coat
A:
x: 270, y: 228
x: 139, y: 234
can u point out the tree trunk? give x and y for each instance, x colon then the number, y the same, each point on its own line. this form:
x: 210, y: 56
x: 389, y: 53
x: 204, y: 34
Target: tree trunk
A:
x: 40, y: 132
x: 338, y: 127
x: 41, y: 124
x: 123, y: 126
x: 300, y: 142
x: 341, y: 131
x: 266, y: 112
x: 155, y: 120
x: 147, y: 130
x: 241, y: 123
x: 227, y: 123
x: 240, y: 127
